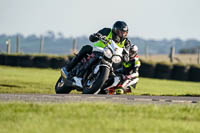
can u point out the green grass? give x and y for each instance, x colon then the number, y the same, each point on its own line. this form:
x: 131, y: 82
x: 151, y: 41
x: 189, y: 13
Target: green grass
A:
x: 167, y: 87
x: 34, y: 80
x: 98, y: 118
x: 83, y: 117
x: 27, y: 80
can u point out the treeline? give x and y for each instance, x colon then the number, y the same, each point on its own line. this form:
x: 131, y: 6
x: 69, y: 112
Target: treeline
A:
x: 193, y: 50
x: 57, y: 43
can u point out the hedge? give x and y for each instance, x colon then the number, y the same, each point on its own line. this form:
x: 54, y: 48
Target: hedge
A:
x: 194, y: 73
x: 2, y: 59
x: 179, y: 72
x: 40, y: 61
x: 57, y: 62
x: 163, y: 70
x: 147, y: 69
x: 25, y: 61
x: 159, y: 70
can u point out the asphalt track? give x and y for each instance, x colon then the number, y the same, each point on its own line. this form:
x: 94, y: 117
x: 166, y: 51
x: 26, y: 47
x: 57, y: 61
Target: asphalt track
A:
x: 123, y: 99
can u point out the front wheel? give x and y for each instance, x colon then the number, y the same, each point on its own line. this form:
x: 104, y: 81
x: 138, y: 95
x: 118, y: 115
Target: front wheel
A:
x: 61, y: 88
x: 96, y: 82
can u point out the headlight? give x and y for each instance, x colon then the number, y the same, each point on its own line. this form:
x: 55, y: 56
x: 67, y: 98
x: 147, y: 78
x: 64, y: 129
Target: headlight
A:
x: 116, y: 59
x: 107, y: 53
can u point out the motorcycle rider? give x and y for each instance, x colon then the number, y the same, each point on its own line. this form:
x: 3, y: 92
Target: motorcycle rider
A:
x: 130, y: 74
x: 126, y: 77
x: 118, y: 33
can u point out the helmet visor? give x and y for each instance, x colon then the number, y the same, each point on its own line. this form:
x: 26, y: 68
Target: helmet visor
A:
x: 122, y: 34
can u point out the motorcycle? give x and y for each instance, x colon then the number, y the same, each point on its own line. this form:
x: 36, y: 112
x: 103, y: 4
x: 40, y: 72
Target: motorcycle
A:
x: 91, y: 74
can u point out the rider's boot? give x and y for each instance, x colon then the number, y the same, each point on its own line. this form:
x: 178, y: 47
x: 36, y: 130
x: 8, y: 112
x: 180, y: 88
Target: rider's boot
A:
x: 87, y: 49
x: 66, y: 69
x: 78, y: 82
x: 130, y: 88
x: 64, y: 72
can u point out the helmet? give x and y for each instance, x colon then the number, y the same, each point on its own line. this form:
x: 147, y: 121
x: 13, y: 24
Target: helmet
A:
x: 133, y: 51
x: 120, y: 28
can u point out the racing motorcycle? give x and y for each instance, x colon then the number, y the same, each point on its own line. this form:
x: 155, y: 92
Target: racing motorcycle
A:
x: 92, y: 73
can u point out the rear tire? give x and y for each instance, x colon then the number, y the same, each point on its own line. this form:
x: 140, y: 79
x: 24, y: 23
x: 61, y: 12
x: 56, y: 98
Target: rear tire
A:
x: 61, y: 88
x: 99, y: 82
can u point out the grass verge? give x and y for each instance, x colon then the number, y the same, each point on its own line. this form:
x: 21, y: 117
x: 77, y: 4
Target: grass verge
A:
x: 98, y: 118
x: 35, y: 80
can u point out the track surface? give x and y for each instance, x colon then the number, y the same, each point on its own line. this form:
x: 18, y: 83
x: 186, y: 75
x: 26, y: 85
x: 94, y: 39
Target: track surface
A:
x: 125, y: 99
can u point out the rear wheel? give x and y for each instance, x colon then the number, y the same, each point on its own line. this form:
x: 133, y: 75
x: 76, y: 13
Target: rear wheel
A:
x: 94, y: 84
x: 61, y: 88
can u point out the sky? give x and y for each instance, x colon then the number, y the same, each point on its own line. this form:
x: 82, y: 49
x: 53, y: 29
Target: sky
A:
x: 148, y: 19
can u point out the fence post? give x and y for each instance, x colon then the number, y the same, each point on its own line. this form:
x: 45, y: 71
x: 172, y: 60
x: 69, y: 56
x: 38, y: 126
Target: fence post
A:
x: 74, y: 46
x: 8, y: 44
x: 146, y: 50
x: 17, y: 44
x: 198, y: 58
x: 41, y: 44
x: 171, y: 54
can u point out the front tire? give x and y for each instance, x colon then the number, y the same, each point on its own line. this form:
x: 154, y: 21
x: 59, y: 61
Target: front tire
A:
x: 61, y: 88
x: 99, y: 81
